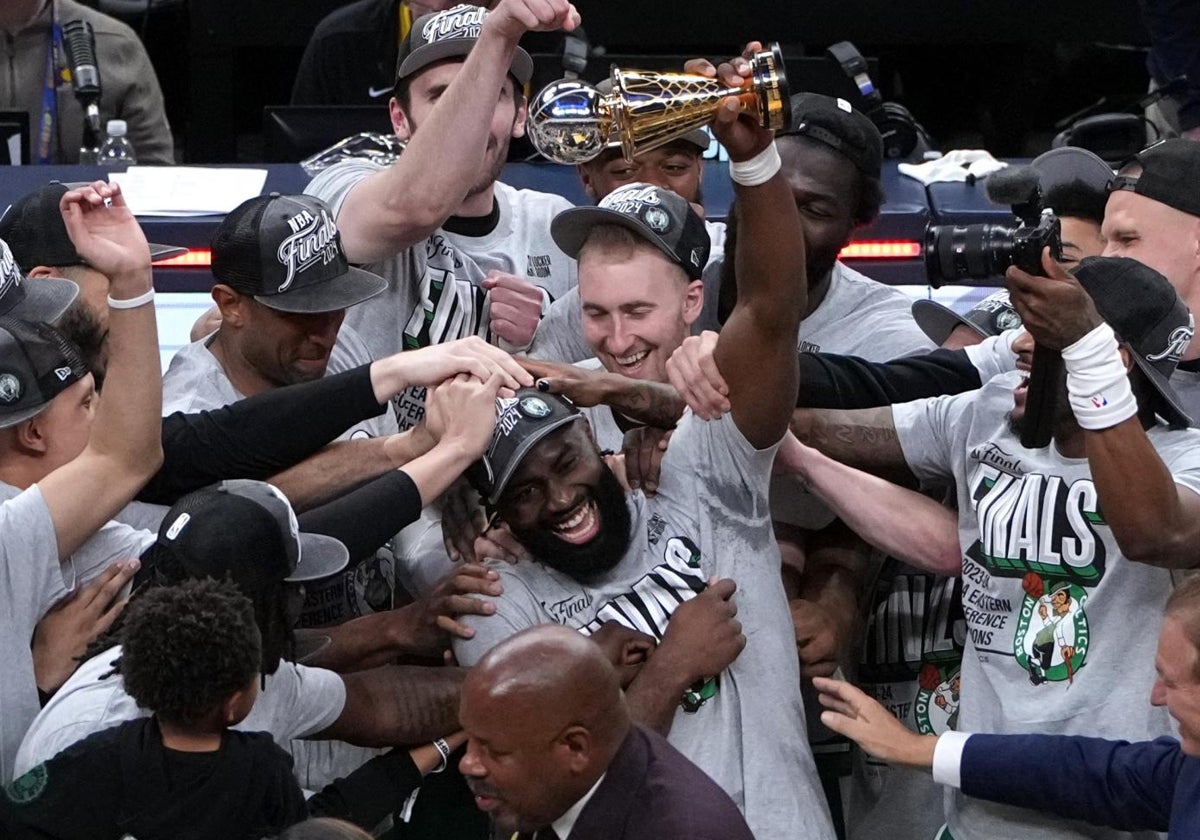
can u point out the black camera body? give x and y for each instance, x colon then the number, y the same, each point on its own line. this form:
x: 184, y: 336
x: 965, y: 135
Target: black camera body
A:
x: 980, y: 254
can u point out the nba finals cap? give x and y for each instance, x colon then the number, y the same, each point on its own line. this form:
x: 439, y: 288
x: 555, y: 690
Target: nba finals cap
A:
x: 834, y: 123
x: 243, y: 529
x: 521, y: 421
x: 34, y: 229
x: 451, y: 34
x: 661, y: 217
x: 44, y: 299
x: 1068, y: 165
x: 1147, y: 316
x: 286, y: 253
x: 991, y: 316
x: 36, y: 365
x: 1170, y: 172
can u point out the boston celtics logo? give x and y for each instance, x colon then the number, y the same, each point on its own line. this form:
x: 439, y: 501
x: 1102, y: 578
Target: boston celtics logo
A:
x: 936, y: 708
x: 1051, y: 641
x: 29, y: 787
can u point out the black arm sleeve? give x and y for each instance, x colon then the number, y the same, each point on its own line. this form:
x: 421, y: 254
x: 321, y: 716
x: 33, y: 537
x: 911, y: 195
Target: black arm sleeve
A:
x: 259, y: 436
x: 371, y: 792
x: 368, y: 516
x: 828, y: 380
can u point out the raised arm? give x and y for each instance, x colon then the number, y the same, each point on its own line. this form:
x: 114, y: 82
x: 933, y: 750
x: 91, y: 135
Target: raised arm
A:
x: 756, y: 352
x: 1153, y: 518
x: 901, y: 522
x: 403, y: 204
x: 124, y: 447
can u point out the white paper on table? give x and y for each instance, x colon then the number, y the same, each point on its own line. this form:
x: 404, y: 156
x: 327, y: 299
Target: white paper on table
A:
x: 187, y: 190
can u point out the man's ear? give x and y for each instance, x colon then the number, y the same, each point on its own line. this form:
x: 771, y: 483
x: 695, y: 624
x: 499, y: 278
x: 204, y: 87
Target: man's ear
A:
x: 235, y: 707
x: 585, y: 178
x: 400, y: 124
x: 29, y: 435
x: 232, y: 304
x: 42, y: 271
x: 522, y: 113
x: 693, y: 301
x: 577, y: 742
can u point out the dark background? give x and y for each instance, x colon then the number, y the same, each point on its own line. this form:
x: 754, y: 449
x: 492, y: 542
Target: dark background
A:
x: 995, y: 74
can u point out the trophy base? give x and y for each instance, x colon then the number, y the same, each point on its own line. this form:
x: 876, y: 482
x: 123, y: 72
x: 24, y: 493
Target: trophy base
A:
x: 771, y: 85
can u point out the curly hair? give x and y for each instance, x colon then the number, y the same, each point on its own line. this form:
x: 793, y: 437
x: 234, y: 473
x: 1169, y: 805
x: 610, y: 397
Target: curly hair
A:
x: 187, y: 648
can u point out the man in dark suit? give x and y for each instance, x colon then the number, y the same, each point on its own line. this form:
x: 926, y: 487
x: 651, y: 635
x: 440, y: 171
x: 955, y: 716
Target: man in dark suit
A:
x: 551, y: 751
x: 1150, y: 785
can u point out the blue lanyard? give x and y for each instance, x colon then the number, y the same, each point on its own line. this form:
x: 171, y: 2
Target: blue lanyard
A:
x: 45, y: 132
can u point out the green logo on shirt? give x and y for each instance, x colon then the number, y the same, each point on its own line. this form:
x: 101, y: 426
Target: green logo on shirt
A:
x: 29, y: 787
x: 1052, y: 637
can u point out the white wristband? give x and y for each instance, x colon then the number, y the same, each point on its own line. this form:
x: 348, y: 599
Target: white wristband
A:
x: 758, y: 170
x: 443, y: 749
x: 131, y: 303
x: 1097, y: 382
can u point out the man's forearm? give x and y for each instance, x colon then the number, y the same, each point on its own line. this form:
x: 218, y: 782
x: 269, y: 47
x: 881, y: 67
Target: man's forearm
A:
x: 654, y: 695
x: 1153, y: 519
x: 649, y: 403
x: 398, y: 704
x: 865, y: 438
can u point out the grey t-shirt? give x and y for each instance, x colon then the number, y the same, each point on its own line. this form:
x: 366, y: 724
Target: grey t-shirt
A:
x: 560, y: 334
x: 34, y: 581
x: 1062, y: 628
x: 296, y: 702
x: 859, y: 317
x: 709, y: 518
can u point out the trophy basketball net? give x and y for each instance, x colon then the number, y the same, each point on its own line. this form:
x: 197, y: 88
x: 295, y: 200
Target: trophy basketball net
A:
x: 572, y: 122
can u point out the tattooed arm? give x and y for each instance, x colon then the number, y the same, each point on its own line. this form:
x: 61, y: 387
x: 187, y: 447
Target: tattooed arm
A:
x: 864, y: 438
x: 645, y: 403
x: 397, y: 704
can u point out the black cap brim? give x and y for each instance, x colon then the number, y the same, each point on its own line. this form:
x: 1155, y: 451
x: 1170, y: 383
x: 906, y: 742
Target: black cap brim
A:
x: 570, y: 229
x: 46, y: 299
x: 938, y: 321
x: 353, y: 287
x: 1170, y: 407
x: 320, y: 557
x: 1069, y: 164
x: 165, y: 252
x: 522, y: 450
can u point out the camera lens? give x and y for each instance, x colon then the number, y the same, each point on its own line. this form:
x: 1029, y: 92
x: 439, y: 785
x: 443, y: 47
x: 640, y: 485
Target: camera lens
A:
x: 957, y: 253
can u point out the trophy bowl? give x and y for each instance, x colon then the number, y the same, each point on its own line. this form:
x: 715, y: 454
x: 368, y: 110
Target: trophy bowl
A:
x: 568, y: 122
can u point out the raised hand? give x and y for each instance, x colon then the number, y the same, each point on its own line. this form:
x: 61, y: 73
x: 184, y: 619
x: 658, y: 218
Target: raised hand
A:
x: 462, y: 411
x: 1054, y: 309
x: 431, y: 366
x: 742, y: 135
x: 513, y: 18
x: 106, y: 234
x: 582, y: 386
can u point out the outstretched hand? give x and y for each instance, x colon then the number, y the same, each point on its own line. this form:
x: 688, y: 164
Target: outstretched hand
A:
x: 742, y: 134
x: 1055, y: 309
x: 106, y: 234
x: 851, y: 712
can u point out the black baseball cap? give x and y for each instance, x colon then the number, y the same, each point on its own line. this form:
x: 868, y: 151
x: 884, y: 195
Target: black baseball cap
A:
x: 34, y: 229
x: 834, y: 123
x: 286, y: 253
x: 37, y: 363
x: 521, y: 421
x: 243, y: 529
x: 661, y: 217
x: 1170, y: 173
x: 990, y: 316
x: 450, y: 34
x: 1070, y: 165
x: 1148, y: 317
x: 44, y: 299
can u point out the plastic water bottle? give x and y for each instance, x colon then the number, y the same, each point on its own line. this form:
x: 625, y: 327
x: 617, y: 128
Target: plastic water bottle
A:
x: 116, y: 149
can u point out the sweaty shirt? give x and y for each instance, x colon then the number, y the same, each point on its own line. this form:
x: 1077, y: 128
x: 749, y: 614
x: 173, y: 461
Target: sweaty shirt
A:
x: 1061, y: 627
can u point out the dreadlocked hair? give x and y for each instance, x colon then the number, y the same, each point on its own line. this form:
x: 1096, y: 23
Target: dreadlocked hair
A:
x: 186, y: 648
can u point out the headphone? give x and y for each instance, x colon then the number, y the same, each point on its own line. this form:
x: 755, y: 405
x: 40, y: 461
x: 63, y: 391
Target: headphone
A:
x: 903, y: 136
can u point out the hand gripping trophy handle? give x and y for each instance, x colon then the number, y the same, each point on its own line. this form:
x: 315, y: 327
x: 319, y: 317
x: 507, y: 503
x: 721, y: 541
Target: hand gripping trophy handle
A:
x: 572, y: 122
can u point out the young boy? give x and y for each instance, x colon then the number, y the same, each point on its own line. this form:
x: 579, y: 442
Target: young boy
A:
x: 191, y: 653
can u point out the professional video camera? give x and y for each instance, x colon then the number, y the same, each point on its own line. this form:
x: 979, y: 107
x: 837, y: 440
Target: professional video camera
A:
x: 965, y: 253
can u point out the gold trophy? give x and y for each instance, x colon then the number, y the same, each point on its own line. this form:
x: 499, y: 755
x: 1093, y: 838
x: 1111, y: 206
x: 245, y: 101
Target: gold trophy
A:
x: 572, y: 122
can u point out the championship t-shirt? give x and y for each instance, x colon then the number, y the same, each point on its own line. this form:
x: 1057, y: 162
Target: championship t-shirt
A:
x: 1061, y: 627
x: 745, y: 727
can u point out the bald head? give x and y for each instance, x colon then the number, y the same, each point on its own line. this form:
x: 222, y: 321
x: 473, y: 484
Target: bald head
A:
x: 544, y: 715
x: 555, y: 674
